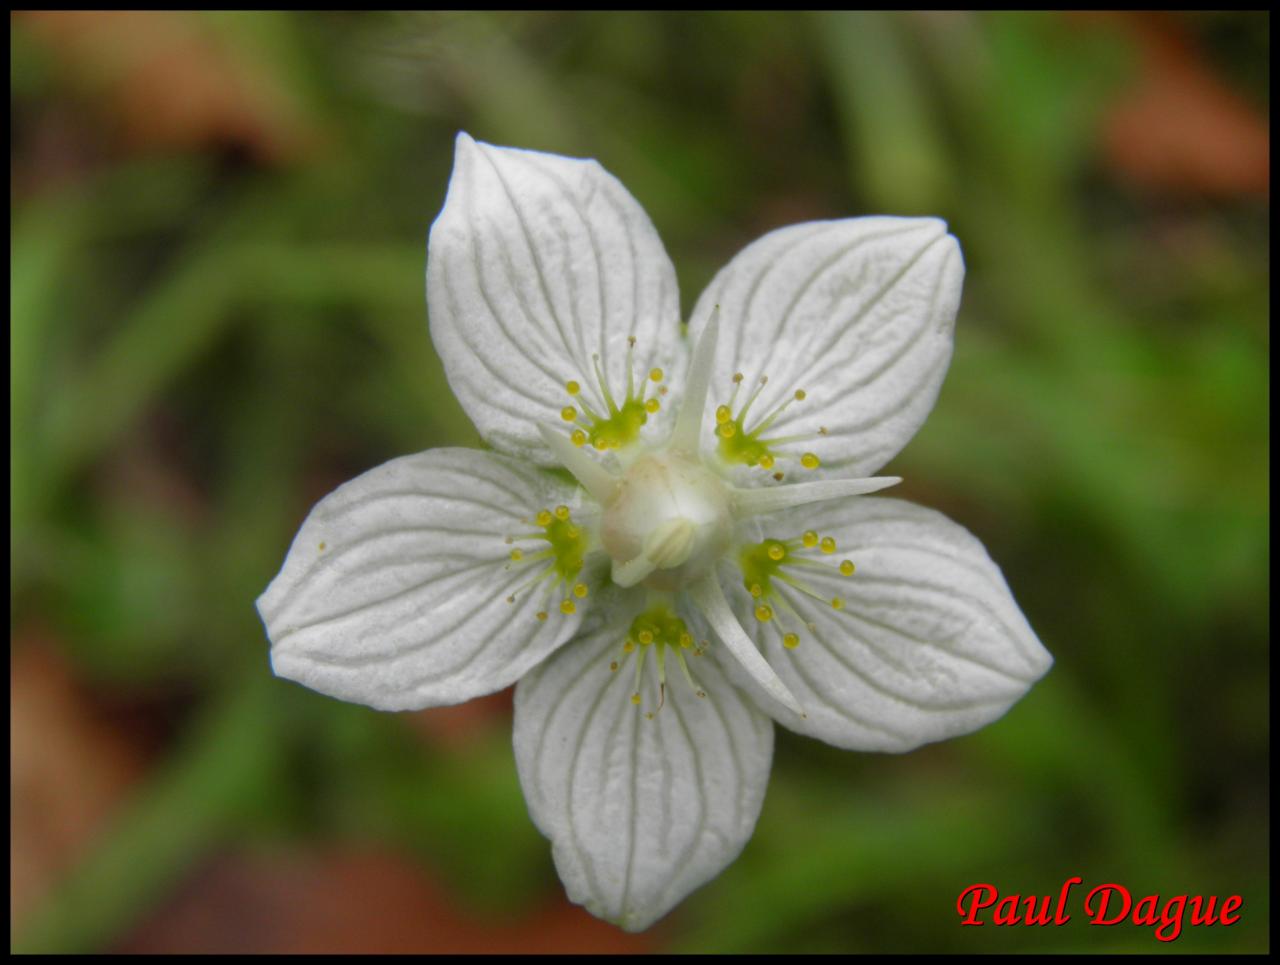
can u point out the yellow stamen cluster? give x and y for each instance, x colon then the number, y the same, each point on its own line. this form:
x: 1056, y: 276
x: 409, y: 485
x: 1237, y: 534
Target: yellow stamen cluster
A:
x: 561, y: 558
x: 658, y: 629
x: 619, y: 424
x: 740, y: 444
x: 774, y: 561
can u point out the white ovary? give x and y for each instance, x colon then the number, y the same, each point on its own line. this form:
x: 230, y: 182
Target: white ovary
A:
x: 668, y: 522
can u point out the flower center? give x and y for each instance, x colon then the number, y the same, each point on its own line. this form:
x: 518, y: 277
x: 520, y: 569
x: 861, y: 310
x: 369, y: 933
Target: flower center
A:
x: 668, y: 524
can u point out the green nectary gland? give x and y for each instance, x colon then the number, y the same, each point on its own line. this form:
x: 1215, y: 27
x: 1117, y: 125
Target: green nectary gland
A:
x: 759, y: 567
x: 660, y: 625
x: 656, y: 629
x: 568, y: 547
x: 740, y: 447
x: 621, y: 427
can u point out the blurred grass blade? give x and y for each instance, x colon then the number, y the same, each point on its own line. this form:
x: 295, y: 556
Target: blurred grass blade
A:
x: 895, y: 150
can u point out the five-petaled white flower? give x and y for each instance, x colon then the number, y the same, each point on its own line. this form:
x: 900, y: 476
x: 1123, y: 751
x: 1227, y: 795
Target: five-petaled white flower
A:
x: 709, y: 565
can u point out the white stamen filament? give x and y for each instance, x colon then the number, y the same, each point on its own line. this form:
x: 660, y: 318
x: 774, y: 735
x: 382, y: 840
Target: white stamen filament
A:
x: 667, y: 546
x: 709, y: 598
x: 671, y: 543
x: 753, y: 502
x: 595, y: 479
x: 632, y: 571
x: 688, y: 428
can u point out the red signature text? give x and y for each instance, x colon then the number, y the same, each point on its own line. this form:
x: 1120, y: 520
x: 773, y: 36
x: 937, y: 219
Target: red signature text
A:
x: 1105, y: 904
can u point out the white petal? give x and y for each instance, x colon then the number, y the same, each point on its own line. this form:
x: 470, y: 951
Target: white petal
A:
x: 394, y: 592
x: 929, y: 643
x: 536, y: 263
x: 857, y: 313
x: 640, y: 812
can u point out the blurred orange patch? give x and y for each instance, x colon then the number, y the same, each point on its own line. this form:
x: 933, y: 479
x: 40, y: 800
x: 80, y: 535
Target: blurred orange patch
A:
x: 462, y: 726
x: 167, y: 80
x: 68, y: 771
x: 353, y: 901
x: 1179, y: 127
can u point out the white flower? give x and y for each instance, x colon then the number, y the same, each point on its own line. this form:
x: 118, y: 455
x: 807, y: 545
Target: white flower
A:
x: 711, y: 566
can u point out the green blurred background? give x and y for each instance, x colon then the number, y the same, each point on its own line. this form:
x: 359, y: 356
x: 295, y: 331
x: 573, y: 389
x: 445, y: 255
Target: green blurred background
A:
x: 217, y: 315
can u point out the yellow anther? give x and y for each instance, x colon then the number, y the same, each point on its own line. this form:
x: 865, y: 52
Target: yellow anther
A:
x: 655, y: 375
x: 790, y: 641
x: 738, y: 377
x: 544, y: 518
x: 572, y: 531
x: 847, y: 567
x: 652, y: 405
x: 578, y: 437
x: 756, y: 590
x: 766, y: 461
x: 568, y: 413
x: 837, y: 603
x: 567, y: 606
x: 562, y: 512
x: 686, y: 641
x: 613, y: 666
x: 580, y: 590
x: 810, y: 539
x: 628, y: 645
x: 517, y: 555
x: 799, y: 395
x: 776, y: 551
x: 542, y: 614
x: 727, y: 430
x: 764, y: 613
x: 723, y: 415
x: 646, y: 637
x: 809, y: 461
x: 602, y: 444
x: 573, y: 387
x: 828, y: 544
x: 635, y: 699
